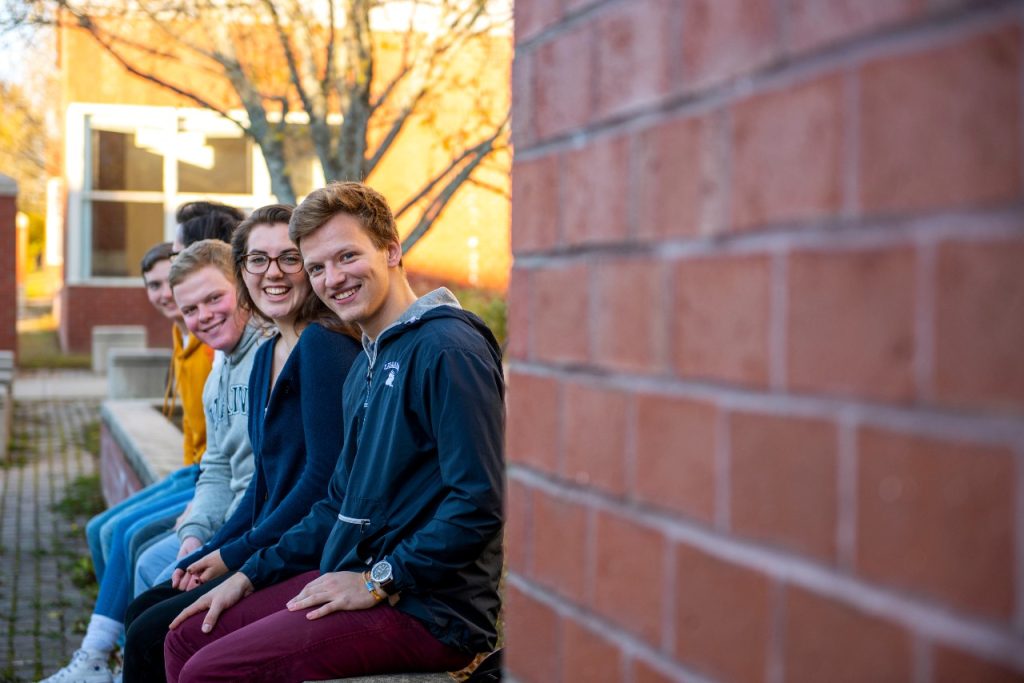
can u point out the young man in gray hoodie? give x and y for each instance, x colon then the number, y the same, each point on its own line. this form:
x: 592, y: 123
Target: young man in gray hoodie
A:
x: 202, y: 279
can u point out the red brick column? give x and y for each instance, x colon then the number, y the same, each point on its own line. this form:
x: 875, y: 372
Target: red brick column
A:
x: 8, y: 281
x: 766, y: 395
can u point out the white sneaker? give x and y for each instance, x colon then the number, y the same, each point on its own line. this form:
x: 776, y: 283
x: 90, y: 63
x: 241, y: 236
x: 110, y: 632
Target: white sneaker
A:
x: 86, y: 666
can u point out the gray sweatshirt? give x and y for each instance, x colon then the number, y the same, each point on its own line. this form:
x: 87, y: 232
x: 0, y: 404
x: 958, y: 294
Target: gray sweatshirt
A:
x: 227, y: 465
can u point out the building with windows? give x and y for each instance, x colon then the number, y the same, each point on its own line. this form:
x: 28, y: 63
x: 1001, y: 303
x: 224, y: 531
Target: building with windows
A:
x: 134, y: 151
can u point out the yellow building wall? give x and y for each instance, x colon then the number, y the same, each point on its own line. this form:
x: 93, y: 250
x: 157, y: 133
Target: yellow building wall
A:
x: 468, y: 245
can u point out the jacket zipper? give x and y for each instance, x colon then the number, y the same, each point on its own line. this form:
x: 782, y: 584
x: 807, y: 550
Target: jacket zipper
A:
x: 363, y: 523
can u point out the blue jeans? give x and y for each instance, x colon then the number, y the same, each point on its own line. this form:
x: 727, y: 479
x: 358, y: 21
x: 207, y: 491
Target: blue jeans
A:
x: 99, y: 531
x: 115, y: 588
x: 157, y: 563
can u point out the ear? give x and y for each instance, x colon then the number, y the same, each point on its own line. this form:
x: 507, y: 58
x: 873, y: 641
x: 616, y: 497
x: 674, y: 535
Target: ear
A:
x: 394, y: 250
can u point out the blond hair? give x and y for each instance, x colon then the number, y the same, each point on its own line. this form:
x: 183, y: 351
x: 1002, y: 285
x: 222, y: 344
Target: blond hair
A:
x: 199, y: 255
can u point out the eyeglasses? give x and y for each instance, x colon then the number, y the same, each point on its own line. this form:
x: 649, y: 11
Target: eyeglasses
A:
x: 288, y: 262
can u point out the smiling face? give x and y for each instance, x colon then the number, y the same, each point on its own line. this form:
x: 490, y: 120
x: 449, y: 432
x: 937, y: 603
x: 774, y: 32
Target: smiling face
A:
x: 277, y: 295
x: 351, y: 275
x: 209, y: 304
x: 158, y: 290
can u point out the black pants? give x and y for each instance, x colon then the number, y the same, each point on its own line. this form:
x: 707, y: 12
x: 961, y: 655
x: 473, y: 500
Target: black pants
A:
x: 146, y: 623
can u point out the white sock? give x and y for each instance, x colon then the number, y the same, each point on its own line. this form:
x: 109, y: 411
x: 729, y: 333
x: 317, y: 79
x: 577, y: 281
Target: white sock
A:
x: 102, y: 634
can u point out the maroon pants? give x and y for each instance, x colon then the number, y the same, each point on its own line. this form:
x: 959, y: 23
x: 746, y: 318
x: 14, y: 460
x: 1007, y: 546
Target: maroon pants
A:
x: 260, y: 640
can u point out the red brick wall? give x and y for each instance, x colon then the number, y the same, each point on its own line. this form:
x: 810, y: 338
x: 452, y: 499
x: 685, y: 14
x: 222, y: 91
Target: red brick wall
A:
x: 766, y: 395
x: 84, y: 306
x: 8, y: 283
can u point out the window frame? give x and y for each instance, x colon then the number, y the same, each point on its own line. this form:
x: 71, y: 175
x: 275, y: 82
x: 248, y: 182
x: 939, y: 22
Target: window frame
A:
x: 82, y: 118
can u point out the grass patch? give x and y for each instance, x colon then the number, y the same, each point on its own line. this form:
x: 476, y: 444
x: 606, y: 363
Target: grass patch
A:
x: 18, y: 448
x: 83, y: 498
x: 41, y: 349
x: 84, y: 578
x: 90, y: 438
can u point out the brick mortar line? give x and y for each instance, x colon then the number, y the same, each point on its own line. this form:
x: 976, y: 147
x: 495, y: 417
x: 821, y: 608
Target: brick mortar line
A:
x: 984, y: 224
x: 630, y: 645
x: 933, y: 420
x: 778, y: 369
x: 920, y: 660
x: 926, y: 284
x: 846, y: 488
x: 934, y: 620
x: 775, y: 659
x: 566, y: 24
x: 934, y: 31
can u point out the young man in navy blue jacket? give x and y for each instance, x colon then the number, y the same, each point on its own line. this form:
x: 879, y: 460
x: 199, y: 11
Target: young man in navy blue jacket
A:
x: 398, y: 568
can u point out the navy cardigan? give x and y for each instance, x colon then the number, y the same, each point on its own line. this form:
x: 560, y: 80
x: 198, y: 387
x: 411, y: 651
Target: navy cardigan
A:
x: 296, y: 433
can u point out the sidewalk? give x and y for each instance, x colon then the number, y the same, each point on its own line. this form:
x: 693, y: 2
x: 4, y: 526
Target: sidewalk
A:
x: 42, y: 614
x: 59, y: 385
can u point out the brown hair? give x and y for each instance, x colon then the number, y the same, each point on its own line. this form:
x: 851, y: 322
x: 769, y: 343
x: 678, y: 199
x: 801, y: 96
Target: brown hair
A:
x: 200, y: 255
x: 190, y: 210
x: 161, y: 252
x: 312, y: 310
x: 355, y: 199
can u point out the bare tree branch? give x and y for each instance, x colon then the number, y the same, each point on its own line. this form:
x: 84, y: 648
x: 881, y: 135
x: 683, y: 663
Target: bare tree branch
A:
x: 437, y: 204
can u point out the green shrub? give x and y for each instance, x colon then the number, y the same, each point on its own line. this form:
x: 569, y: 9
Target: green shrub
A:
x: 490, y: 306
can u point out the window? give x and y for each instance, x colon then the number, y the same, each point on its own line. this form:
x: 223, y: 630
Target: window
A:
x: 130, y: 167
x: 121, y: 234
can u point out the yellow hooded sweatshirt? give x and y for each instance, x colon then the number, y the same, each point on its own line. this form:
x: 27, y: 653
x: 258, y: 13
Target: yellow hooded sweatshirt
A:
x: 189, y: 367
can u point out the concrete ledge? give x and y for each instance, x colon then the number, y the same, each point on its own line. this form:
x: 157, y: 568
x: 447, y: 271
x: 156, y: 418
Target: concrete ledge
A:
x: 106, y: 337
x: 138, y: 446
x: 137, y: 373
x: 394, y: 678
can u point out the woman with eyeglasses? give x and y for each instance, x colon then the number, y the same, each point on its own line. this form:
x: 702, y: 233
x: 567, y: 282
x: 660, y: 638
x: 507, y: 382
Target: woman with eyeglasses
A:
x: 294, y: 426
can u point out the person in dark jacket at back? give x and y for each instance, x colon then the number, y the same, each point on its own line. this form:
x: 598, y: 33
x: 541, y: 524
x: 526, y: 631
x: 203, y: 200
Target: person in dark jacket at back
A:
x: 398, y: 568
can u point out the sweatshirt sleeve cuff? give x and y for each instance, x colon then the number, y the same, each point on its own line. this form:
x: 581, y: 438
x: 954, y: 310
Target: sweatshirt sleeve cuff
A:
x: 194, y: 530
x: 235, y: 554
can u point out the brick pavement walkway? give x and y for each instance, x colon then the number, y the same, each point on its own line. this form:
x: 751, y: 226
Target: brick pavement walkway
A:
x: 42, y: 614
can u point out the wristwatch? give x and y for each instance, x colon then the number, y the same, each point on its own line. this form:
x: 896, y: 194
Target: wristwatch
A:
x: 381, y: 575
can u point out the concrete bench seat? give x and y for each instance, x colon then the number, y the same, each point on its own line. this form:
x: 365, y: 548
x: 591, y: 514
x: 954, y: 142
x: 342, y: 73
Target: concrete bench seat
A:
x: 138, y: 446
x: 137, y: 373
x: 393, y: 678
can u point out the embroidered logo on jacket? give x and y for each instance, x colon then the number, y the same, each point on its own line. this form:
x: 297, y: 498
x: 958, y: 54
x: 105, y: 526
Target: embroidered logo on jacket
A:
x: 393, y: 366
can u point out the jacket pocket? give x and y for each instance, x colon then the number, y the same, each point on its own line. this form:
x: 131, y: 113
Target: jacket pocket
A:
x: 358, y: 521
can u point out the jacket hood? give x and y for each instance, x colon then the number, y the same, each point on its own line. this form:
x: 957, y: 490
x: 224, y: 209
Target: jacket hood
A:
x: 250, y: 336
x: 440, y: 303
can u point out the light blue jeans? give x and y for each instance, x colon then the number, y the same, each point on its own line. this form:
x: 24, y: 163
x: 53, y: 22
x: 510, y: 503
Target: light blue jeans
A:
x: 157, y: 563
x: 115, y: 590
x: 99, y: 531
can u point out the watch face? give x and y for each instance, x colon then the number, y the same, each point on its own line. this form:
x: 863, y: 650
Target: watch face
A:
x: 381, y: 572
